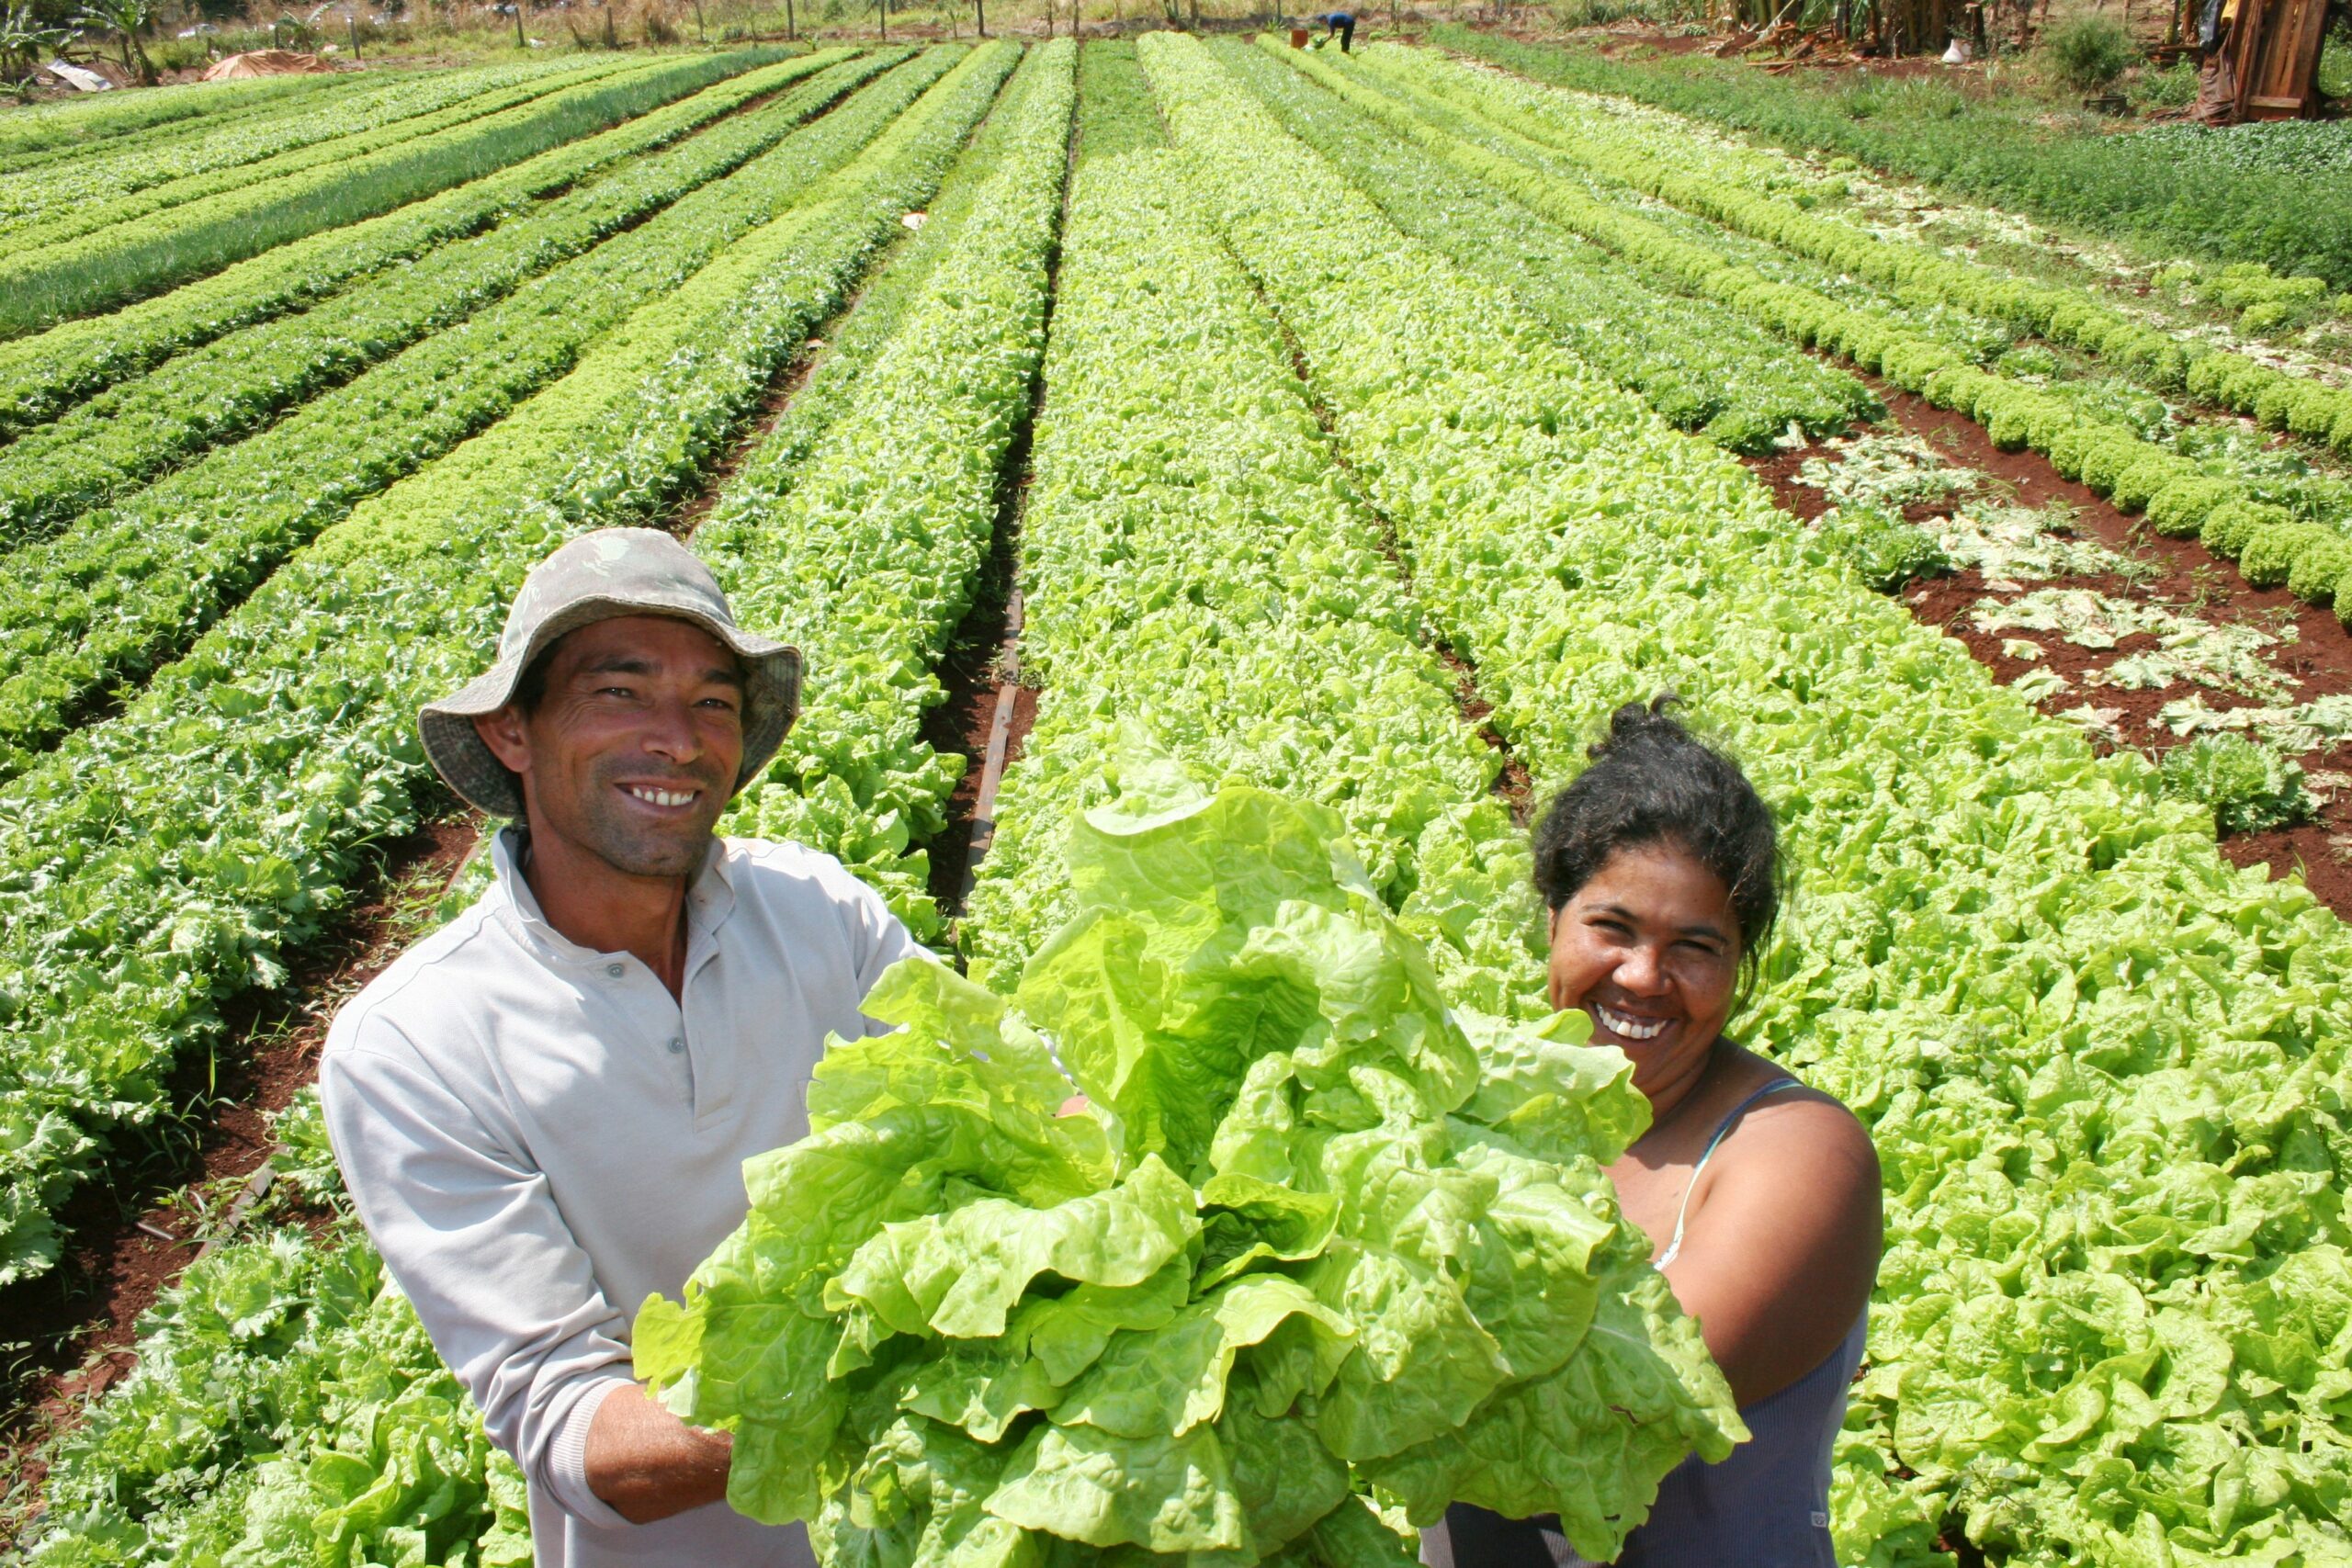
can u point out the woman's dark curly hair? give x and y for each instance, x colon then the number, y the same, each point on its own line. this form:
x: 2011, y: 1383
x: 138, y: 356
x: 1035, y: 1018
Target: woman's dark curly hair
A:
x: 1651, y: 781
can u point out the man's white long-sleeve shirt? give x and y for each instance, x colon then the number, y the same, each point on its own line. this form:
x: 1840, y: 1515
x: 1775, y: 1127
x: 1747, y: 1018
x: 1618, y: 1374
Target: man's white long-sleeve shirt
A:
x: 538, y: 1135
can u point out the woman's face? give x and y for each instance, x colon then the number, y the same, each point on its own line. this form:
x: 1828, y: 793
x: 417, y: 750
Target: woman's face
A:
x: 1649, y: 948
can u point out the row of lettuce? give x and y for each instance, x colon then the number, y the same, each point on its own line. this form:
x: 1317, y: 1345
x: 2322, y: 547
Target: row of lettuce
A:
x: 1735, y: 187
x: 1206, y: 597
x: 80, y: 195
x: 44, y: 373
x: 127, y: 586
x: 348, y: 1441
x: 2105, y: 1069
x: 1702, y: 366
x: 146, y: 251
x: 861, y: 527
x: 2173, y: 193
x: 67, y: 128
x: 163, y: 858
x: 140, y: 425
x: 1575, y: 164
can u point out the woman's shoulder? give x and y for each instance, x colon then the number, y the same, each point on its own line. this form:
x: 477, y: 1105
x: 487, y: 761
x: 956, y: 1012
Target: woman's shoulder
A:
x: 1784, y: 1122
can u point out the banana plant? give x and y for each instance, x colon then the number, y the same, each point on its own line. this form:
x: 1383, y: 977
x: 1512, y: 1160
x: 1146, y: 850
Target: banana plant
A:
x: 126, y: 20
x: 24, y: 39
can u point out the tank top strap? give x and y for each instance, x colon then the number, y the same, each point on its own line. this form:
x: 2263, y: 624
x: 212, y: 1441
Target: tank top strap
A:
x: 1723, y: 1128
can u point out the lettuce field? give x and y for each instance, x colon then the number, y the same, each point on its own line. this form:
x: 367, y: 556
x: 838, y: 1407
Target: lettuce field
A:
x: 1347, y: 433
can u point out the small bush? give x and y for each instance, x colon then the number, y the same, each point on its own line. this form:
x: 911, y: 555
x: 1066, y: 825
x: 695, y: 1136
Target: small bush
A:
x: 2089, y: 52
x: 2173, y: 89
x: 2250, y: 787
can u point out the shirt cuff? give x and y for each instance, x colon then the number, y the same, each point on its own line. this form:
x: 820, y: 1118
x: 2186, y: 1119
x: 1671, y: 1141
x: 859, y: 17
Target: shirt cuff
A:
x: 568, y: 1460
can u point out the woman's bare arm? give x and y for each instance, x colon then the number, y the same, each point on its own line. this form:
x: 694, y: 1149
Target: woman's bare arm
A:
x: 1783, y: 1241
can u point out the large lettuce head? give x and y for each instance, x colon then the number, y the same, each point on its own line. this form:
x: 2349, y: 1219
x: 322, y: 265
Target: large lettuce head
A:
x: 1322, y: 1257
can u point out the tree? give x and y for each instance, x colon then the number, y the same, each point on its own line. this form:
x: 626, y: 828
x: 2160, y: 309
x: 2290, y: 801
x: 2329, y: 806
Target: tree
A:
x: 126, y: 20
x: 24, y: 39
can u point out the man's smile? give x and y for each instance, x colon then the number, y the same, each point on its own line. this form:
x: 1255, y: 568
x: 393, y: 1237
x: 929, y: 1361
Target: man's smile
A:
x: 652, y: 795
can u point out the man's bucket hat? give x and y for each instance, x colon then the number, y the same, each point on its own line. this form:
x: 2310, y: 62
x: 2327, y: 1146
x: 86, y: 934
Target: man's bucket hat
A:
x: 599, y: 576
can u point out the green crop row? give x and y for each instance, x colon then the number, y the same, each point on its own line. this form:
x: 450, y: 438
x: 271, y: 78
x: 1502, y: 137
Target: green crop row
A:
x: 163, y: 859
x: 2177, y: 492
x: 2134, y: 187
x: 1207, y: 601
x: 71, y: 126
x: 40, y: 287
x: 85, y: 196
x: 240, y: 130
x: 132, y: 583
x: 43, y: 374
x: 1701, y: 366
x: 286, y: 1408
x: 2106, y: 1071
x: 841, y: 361
x: 170, y: 137
x: 115, y: 1493
x: 1678, y: 171
x: 1114, y: 112
x: 870, y: 556
x: 112, y: 443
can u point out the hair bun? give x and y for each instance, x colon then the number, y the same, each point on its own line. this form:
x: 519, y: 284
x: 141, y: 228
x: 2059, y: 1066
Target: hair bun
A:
x: 1637, y: 722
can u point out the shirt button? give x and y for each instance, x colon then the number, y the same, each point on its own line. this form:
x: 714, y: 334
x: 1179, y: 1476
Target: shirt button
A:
x: 676, y: 1046
x: 613, y: 970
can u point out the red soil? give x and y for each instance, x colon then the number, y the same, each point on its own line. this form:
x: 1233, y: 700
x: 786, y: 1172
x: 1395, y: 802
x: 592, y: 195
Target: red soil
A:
x: 2187, y: 578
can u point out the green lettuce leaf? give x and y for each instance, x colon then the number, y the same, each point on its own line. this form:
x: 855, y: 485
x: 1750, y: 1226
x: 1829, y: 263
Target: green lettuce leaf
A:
x: 1316, y: 1232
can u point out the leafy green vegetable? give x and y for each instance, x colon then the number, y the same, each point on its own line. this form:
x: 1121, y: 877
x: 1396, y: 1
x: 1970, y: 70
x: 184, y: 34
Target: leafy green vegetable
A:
x: 1313, y: 1236
x: 2248, y: 784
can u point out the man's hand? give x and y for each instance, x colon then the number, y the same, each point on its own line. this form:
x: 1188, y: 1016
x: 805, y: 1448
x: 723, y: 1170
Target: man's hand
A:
x: 648, y: 1464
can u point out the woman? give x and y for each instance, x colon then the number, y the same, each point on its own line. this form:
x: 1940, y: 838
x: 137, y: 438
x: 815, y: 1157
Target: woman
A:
x: 1760, y: 1196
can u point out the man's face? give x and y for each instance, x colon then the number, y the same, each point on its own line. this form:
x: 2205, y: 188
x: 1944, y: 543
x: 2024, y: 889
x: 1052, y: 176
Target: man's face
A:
x: 632, y: 753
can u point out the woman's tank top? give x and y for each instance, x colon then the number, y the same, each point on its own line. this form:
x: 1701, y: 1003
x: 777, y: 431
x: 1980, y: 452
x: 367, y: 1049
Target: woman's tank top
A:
x: 1764, y: 1506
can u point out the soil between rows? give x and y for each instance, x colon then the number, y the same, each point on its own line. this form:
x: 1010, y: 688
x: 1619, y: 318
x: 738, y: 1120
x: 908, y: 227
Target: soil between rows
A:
x: 2182, y: 576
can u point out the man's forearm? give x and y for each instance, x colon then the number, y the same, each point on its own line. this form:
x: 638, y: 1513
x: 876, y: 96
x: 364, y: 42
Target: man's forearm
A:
x: 648, y: 1464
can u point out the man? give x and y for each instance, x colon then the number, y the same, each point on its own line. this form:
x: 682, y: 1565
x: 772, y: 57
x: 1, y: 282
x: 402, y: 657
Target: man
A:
x: 542, y: 1110
x: 1342, y: 23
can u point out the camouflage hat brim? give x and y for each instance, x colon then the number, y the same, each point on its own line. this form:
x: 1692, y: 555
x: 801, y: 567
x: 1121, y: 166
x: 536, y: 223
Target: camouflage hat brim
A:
x: 543, y: 614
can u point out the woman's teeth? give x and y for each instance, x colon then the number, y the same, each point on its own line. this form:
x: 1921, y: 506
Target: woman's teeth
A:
x: 1628, y: 1028
x: 663, y: 797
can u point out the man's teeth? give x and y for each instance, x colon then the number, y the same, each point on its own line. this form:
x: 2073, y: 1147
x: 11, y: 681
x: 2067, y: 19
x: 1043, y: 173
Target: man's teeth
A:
x: 663, y: 797
x: 1627, y: 1027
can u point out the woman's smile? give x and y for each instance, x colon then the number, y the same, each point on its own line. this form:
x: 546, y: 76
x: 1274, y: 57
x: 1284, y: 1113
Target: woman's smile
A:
x: 1649, y: 949
x: 1625, y: 1025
